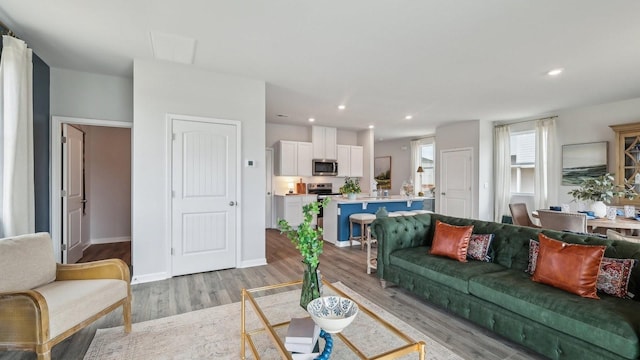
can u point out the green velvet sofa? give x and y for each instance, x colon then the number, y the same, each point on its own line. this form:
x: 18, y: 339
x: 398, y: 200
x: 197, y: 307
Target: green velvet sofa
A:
x: 500, y: 295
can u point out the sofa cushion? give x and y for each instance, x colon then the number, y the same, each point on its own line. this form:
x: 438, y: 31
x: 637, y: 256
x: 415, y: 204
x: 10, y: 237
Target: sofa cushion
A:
x: 451, y: 241
x: 443, y: 270
x: 614, y: 275
x: 73, y: 301
x: 570, y: 267
x: 26, y: 262
x: 610, y: 323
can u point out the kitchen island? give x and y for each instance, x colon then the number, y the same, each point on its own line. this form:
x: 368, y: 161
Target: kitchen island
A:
x: 336, y: 214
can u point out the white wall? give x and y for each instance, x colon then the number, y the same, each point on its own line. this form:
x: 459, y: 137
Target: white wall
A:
x: 400, y: 152
x: 91, y: 96
x: 485, y: 171
x: 366, y: 139
x: 108, y: 174
x: 590, y: 124
x: 161, y: 88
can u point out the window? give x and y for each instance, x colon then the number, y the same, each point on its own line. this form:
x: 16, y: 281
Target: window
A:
x: 523, y: 158
x: 427, y: 161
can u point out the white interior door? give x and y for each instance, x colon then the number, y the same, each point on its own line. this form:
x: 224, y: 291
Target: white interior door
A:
x: 204, y: 198
x: 72, y: 193
x: 269, y: 188
x: 455, y: 183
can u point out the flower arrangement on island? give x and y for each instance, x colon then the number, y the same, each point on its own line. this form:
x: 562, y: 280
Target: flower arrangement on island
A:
x: 351, y: 186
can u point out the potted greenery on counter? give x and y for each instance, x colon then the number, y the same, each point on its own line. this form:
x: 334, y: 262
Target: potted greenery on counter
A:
x: 351, y: 187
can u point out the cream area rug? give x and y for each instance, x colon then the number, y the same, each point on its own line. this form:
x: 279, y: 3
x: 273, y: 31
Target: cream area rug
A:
x: 214, y: 333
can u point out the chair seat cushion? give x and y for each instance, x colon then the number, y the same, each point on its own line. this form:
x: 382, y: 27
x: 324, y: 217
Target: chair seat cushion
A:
x: 609, y: 322
x: 73, y: 301
x: 440, y: 269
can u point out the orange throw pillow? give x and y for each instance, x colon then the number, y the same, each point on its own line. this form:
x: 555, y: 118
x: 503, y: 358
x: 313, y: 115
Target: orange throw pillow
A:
x: 451, y: 241
x: 570, y: 267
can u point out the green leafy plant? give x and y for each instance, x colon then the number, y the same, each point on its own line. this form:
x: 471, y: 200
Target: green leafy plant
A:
x: 350, y: 186
x: 305, y: 238
x: 602, y: 188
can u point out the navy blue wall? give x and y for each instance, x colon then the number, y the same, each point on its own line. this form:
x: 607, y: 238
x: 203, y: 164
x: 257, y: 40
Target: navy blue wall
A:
x: 41, y: 92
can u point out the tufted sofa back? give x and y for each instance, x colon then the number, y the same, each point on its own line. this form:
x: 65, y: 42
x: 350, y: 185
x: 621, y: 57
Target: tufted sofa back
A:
x: 510, y: 244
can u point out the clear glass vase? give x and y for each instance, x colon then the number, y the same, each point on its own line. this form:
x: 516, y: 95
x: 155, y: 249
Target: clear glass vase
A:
x: 311, y: 285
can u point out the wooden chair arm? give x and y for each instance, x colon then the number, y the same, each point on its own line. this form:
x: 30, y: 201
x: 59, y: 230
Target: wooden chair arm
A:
x: 102, y: 269
x: 24, y: 318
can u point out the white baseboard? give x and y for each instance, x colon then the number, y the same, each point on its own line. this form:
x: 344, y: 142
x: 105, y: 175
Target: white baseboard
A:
x: 110, y: 240
x: 252, y: 263
x: 140, y: 279
x: 346, y: 243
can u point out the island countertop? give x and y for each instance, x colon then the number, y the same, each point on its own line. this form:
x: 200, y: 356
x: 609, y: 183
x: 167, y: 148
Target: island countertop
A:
x: 380, y: 199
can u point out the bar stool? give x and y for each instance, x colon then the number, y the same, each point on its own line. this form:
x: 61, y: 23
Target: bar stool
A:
x: 372, y: 262
x: 362, y: 219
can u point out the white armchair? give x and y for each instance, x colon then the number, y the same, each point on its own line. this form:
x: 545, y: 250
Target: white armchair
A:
x: 43, y: 303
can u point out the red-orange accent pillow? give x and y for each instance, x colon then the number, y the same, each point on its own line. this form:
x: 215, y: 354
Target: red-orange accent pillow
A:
x: 451, y: 241
x: 569, y: 267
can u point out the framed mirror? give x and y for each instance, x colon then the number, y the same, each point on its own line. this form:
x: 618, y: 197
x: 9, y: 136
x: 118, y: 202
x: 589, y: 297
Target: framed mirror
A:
x: 382, y: 172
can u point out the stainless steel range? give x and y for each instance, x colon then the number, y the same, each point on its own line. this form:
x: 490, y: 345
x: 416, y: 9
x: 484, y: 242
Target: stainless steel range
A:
x: 322, y: 190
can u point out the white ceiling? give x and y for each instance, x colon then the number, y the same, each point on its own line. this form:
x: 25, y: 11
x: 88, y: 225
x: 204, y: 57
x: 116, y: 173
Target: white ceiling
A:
x: 438, y: 60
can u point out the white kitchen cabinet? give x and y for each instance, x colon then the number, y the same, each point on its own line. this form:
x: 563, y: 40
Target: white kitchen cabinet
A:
x: 293, y: 158
x: 350, y: 160
x: 324, y: 141
x: 289, y: 208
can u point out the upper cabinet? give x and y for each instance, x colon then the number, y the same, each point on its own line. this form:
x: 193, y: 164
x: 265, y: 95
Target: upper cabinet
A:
x: 293, y: 158
x: 324, y: 141
x: 350, y: 160
x: 627, y: 153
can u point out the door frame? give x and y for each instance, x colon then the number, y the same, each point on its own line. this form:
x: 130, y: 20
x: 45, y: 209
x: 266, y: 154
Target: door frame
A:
x: 55, y: 216
x: 169, y: 176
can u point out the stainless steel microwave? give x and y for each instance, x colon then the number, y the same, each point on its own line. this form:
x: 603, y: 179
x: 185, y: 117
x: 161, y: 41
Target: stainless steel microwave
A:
x: 322, y: 167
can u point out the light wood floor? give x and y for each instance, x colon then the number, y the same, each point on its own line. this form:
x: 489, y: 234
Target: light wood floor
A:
x: 187, y: 293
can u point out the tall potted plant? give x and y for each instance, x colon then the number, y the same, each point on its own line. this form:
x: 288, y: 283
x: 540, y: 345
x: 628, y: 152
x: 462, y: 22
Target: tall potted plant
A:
x: 309, y: 242
x: 601, y: 191
x: 351, y: 187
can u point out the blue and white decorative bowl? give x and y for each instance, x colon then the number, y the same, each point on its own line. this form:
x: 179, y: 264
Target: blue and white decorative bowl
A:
x: 332, y: 313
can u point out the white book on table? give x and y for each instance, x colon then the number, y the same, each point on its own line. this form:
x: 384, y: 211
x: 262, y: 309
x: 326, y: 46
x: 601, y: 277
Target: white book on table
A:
x: 302, y: 331
x: 309, y: 356
x: 300, y: 348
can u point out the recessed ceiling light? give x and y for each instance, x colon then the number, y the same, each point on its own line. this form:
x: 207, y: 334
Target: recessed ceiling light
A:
x: 312, y: 119
x: 408, y: 117
x: 555, y: 72
x: 371, y: 126
x: 341, y: 107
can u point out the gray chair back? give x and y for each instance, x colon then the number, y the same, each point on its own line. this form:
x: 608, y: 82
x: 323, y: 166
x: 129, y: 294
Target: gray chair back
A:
x: 562, y: 221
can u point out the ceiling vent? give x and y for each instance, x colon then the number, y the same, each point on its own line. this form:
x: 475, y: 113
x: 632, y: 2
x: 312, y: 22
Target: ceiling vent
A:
x: 172, y: 47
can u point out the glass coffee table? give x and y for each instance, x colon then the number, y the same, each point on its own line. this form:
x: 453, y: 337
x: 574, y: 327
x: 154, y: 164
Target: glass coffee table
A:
x: 368, y: 337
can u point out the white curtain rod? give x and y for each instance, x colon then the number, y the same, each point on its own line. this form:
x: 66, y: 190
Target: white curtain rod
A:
x: 524, y: 121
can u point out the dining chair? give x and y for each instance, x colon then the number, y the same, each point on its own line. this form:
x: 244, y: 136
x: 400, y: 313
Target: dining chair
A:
x: 520, y: 215
x: 563, y: 221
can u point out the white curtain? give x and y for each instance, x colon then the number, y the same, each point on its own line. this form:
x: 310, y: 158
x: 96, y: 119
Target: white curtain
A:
x: 545, y: 136
x: 16, y: 143
x: 415, y: 162
x: 502, y: 161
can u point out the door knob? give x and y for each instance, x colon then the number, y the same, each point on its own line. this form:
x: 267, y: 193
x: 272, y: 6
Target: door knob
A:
x: 442, y: 193
x: 269, y: 193
x: 232, y: 203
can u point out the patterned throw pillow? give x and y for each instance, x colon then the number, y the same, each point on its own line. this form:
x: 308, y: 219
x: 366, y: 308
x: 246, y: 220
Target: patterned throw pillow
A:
x: 534, y: 248
x: 613, y: 278
x: 614, y: 275
x: 479, y: 246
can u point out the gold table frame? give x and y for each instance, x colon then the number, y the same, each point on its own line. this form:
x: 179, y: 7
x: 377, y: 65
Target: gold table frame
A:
x: 411, y: 346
